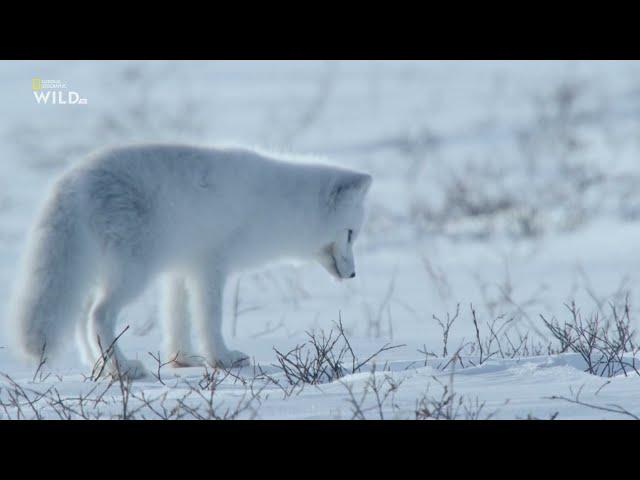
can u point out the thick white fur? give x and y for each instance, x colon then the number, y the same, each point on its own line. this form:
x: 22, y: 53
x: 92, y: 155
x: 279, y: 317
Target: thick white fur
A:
x: 127, y: 214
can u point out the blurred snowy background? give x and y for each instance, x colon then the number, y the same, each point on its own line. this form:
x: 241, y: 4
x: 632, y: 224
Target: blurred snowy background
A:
x: 512, y: 186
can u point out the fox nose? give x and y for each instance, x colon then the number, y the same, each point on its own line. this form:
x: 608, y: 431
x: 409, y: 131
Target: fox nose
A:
x: 352, y: 275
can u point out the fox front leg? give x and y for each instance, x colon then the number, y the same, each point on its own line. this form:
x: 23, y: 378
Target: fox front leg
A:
x: 176, y: 331
x: 208, y: 294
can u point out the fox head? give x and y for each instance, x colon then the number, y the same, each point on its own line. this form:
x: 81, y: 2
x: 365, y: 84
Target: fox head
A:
x: 344, y: 207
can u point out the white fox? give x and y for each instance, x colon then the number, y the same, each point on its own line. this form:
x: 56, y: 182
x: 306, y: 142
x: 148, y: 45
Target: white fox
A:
x: 127, y: 214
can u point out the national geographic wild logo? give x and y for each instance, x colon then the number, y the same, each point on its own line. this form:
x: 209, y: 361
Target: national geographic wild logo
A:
x: 55, y: 92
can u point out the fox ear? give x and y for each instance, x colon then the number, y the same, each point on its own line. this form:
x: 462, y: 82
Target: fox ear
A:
x: 350, y: 188
x: 364, y: 182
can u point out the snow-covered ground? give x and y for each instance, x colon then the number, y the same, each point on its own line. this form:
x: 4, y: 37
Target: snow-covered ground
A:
x: 508, y: 187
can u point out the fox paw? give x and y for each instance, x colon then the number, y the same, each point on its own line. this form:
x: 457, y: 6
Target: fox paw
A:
x: 180, y: 360
x: 125, y: 369
x: 134, y: 369
x: 231, y: 359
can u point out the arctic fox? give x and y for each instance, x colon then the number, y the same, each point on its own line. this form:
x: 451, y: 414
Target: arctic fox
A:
x: 128, y: 214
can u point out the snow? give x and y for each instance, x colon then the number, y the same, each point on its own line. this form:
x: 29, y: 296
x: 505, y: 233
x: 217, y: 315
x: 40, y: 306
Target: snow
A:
x: 509, y: 186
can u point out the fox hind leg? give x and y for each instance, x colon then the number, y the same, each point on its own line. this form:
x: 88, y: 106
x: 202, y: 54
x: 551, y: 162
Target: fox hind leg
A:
x: 82, y: 334
x: 101, y: 328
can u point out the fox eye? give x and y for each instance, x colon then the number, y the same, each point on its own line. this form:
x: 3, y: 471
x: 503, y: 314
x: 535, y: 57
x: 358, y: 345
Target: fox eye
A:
x: 350, y: 234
